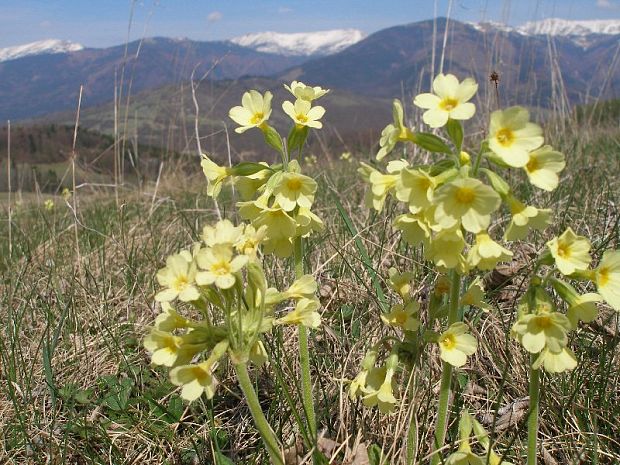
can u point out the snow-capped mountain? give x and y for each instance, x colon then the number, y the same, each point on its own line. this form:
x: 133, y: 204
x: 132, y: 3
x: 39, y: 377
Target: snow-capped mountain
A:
x: 40, y: 47
x: 301, y: 43
x: 564, y: 27
x: 556, y: 27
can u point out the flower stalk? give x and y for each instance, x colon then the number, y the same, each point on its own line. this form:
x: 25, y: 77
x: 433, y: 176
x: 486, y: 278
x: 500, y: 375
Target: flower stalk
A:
x: 304, y: 353
x: 532, y: 420
x: 446, y: 374
x: 267, y: 435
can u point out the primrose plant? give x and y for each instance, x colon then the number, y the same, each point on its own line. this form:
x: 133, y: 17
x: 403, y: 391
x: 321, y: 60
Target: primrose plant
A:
x: 224, y: 306
x: 453, y: 210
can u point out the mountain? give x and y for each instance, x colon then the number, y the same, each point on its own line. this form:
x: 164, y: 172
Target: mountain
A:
x: 565, y: 27
x: 301, y: 43
x: 41, y: 47
x: 535, y: 69
x: 38, y: 84
x: 577, y: 62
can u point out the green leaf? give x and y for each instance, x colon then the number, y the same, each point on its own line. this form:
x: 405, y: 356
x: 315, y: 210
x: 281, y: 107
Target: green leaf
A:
x: 221, y: 459
x: 431, y: 142
x: 455, y: 131
x: 376, y: 455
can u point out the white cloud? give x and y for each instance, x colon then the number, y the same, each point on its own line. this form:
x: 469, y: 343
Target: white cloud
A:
x: 607, y: 4
x: 214, y: 16
x: 284, y: 9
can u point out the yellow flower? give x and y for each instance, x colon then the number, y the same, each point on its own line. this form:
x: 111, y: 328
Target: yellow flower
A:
x: 512, y: 136
x: 544, y: 329
x: 543, y: 167
x: 254, y: 112
x: 525, y: 218
x: 249, y: 185
x: 199, y: 378
x: 49, y: 204
x: 305, y: 314
x: 178, y: 277
x: 169, y: 319
x: 279, y: 230
x: 583, y: 308
x: 415, y: 187
x: 445, y: 249
x: 195, y: 380
x: 248, y: 242
x: 223, y: 233
x: 400, y: 282
x: 380, y: 185
x: 358, y: 384
x: 307, y: 222
x: 378, y: 389
x: 450, y: 100
x: 304, y: 114
x: 393, y: 133
x: 403, y: 316
x: 219, y: 266
x: 556, y: 362
x: 455, y: 345
x: 169, y: 350
x: 474, y: 295
x: 607, y: 278
x: 66, y: 194
x: 304, y: 92
x: 215, y: 174
x: 571, y: 252
x: 467, y: 200
x: 258, y: 354
x: 346, y: 156
x: 304, y: 287
x: 294, y: 189
x: 414, y: 228
x: 486, y: 253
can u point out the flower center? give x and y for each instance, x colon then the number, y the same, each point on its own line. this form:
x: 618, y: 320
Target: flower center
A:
x: 257, y: 118
x: 465, y: 195
x: 448, y: 104
x: 544, y: 322
x: 221, y: 268
x: 448, y: 342
x: 532, y: 165
x: 602, y: 277
x: 293, y: 184
x: 505, y: 137
x: 563, y: 250
x: 400, y: 318
x: 180, y: 283
x: 301, y: 118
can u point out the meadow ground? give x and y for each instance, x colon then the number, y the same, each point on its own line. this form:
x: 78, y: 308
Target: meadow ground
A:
x: 76, y: 300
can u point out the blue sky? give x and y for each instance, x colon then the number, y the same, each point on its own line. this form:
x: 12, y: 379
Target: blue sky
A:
x: 100, y: 23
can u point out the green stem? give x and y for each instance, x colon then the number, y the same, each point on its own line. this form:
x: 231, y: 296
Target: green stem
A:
x: 304, y: 353
x: 412, y: 431
x: 532, y: 421
x: 269, y: 439
x: 446, y: 374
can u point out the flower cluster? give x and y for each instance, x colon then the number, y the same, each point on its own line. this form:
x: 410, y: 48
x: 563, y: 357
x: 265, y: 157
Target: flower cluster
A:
x: 453, y: 208
x: 276, y: 198
x: 541, y: 328
x: 222, y: 282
